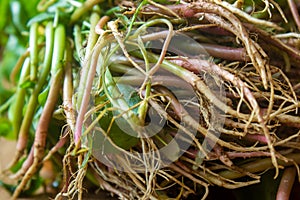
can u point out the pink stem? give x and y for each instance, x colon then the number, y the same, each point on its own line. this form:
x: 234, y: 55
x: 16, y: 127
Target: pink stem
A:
x: 295, y: 13
x: 86, y: 96
x: 286, y: 184
x: 256, y: 138
x: 227, y: 53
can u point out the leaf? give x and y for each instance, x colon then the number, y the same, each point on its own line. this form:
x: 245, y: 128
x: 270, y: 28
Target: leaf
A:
x: 35, y: 184
x: 113, y: 10
x: 30, y: 7
x: 168, y: 146
x: 9, y: 188
x: 27, y: 84
x: 3, y: 13
x: 6, y: 128
x: 122, y: 139
x: 166, y: 2
x: 130, y: 95
x: 117, y: 99
x: 42, y: 98
x: 118, y: 136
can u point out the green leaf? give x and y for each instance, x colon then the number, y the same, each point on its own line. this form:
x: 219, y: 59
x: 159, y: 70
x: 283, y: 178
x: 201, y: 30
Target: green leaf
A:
x: 3, y: 13
x: 9, y: 188
x: 27, y: 84
x: 101, y: 98
x: 168, y: 146
x: 117, y: 99
x: 130, y: 95
x: 113, y: 10
x: 30, y: 7
x: 35, y: 183
x: 166, y: 2
x: 5, y: 128
x: 122, y: 139
x: 43, y: 96
x: 118, y: 136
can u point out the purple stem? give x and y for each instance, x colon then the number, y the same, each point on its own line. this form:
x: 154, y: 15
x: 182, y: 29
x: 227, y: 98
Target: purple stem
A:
x: 227, y: 53
x: 256, y: 138
x: 286, y: 184
x: 295, y: 13
x: 86, y: 96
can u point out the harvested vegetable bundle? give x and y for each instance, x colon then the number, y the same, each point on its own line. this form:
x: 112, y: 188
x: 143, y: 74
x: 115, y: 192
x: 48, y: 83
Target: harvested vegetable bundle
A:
x: 158, y: 100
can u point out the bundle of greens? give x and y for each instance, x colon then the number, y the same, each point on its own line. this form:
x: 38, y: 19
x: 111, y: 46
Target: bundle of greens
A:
x: 156, y: 99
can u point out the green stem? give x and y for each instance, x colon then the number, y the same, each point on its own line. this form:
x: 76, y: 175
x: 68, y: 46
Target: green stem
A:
x: 78, y: 42
x: 259, y: 166
x: 86, y: 6
x: 144, y: 2
x: 33, y: 101
x: 20, y: 98
x: 85, y: 89
x: 5, y: 105
x: 144, y: 105
x: 33, y: 48
x: 38, y: 148
x: 58, y: 49
x: 18, y: 66
x: 57, y: 71
x: 68, y: 90
x: 92, y: 40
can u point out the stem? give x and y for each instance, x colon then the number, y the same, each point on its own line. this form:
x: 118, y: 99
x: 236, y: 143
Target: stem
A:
x: 99, y: 27
x: 228, y: 53
x: 86, y: 87
x: 272, y: 40
x: 20, y: 98
x: 142, y: 111
x: 43, y: 5
x: 78, y: 42
x: 68, y: 92
x: 294, y: 11
x: 260, y: 165
x: 18, y: 66
x: 80, y: 11
x: 33, y: 48
x: 33, y: 101
x: 87, y: 60
x: 225, y: 18
x: 41, y: 133
x: 61, y: 142
x: 134, y: 17
x: 219, y: 51
x: 286, y: 184
x: 44, y: 121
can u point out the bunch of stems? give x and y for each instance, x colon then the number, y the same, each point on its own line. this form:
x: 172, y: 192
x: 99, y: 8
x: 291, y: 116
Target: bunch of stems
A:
x: 237, y: 111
